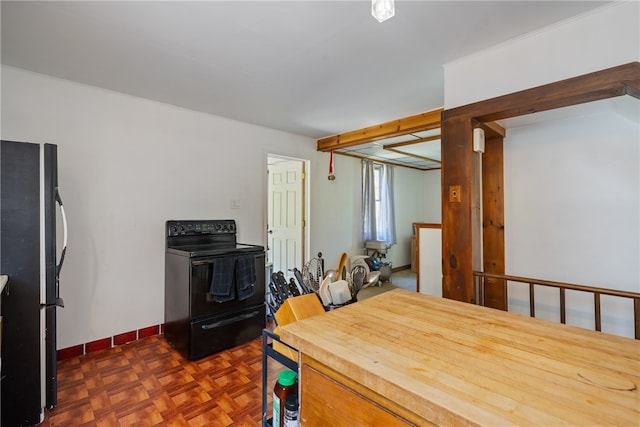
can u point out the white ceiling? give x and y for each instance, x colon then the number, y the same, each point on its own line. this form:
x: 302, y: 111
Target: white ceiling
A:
x: 315, y: 68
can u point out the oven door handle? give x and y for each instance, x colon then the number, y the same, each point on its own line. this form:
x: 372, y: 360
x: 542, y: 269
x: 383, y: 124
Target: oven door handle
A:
x: 230, y: 320
x: 201, y: 262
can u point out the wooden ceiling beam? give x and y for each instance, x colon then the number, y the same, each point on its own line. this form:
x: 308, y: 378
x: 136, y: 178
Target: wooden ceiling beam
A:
x: 415, y: 156
x: 355, y: 156
x: 615, y: 81
x: 493, y: 130
x: 419, y: 122
x: 411, y: 142
x: 633, y: 88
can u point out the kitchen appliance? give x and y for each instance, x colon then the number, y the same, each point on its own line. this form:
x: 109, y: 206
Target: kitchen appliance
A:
x: 376, y: 248
x: 379, y: 248
x: 214, y: 287
x: 28, y: 195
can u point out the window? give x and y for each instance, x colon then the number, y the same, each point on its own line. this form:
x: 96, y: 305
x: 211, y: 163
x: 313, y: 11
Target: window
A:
x: 377, y: 202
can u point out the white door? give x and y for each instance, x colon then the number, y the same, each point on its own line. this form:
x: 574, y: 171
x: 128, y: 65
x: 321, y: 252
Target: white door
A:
x: 285, y: 217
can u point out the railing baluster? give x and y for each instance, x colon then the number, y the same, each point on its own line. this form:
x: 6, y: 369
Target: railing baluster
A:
x: 532, y: 301
x: 563, y: 312
x: 477, y: 290
x: 505, y: 285
x: 596, y: 301
x: 635, y: 296
x: 636, y: 317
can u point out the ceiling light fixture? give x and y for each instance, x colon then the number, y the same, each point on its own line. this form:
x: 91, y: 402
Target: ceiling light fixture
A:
x: 382, y: 9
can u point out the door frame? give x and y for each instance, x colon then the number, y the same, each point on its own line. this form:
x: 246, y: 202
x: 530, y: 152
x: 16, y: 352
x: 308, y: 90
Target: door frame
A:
x: 306, y: 193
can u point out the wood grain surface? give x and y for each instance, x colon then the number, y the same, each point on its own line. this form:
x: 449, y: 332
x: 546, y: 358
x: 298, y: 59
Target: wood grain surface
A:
x: 354, y: 409
x: 453, y: 363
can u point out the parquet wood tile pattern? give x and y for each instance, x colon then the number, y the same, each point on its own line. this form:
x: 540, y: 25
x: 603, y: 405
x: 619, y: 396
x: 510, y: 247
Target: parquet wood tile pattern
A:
x: 147, y: 383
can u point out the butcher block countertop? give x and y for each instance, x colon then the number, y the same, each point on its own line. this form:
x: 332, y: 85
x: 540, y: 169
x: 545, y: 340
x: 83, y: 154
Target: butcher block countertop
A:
x: 453, y: 363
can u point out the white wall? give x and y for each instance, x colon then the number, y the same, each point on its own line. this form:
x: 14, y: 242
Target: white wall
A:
x: 433, y: 196
x: 338, y: 204
x: 431, y: 239
x: 601, y: 38
x: 126, y: 165
x: 571, y: 186
x: 413, y: 197
x: 572, y: 201
x: 410, y: 206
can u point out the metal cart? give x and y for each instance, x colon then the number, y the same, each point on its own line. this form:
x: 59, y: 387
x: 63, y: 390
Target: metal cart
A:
x: 267, y: 353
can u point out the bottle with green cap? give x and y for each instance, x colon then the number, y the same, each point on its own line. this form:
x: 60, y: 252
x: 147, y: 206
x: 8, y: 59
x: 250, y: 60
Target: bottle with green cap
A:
x: 285, y: 386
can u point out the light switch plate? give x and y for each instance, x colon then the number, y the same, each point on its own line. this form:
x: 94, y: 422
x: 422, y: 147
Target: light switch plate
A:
x: 454, y: 193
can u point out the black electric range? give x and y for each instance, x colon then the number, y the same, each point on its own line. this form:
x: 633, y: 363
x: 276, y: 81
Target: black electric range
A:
x: 201, y: 258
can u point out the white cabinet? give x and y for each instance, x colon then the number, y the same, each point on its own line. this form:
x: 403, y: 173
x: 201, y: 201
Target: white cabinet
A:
x: 429, y: 256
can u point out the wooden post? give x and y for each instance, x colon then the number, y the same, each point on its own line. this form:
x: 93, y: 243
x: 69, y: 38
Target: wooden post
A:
x: 493, y: 221
x: 457, y: 237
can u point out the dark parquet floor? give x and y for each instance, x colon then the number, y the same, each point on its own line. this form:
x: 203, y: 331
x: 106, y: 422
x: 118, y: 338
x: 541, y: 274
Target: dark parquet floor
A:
x: 147, y: 383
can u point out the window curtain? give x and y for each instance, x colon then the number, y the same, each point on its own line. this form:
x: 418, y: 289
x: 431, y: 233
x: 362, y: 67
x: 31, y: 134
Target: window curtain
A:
x: 378, y: 224
x: 368, y: 201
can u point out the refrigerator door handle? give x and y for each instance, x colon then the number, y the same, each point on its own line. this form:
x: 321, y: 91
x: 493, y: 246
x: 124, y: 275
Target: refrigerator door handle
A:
x: 4, y: 280
x: 59, y: 301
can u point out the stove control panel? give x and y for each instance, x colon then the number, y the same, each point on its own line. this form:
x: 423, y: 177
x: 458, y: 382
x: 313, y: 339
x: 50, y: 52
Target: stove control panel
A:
x: 196, y: 228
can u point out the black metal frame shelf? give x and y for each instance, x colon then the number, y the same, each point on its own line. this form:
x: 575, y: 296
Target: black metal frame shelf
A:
x: 269, y: 352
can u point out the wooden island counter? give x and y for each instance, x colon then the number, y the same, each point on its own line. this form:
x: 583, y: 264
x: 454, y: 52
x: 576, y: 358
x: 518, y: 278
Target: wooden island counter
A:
x: 403, y: 358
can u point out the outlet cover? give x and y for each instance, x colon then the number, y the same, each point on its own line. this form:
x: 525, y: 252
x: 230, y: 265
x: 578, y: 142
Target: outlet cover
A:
x: 454, y: 193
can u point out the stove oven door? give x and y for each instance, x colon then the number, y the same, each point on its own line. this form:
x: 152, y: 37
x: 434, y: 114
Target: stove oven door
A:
x: 213, y: 334
x: 202, y: 304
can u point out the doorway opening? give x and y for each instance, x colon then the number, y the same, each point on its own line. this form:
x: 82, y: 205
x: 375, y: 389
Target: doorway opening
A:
x: 287, y: 213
